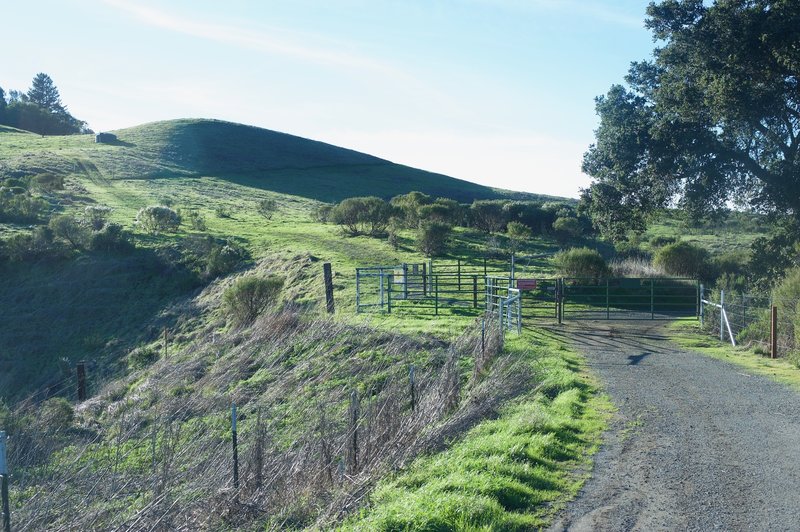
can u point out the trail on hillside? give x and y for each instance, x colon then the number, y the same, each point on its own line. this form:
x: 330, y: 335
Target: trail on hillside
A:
x: 696, y: 444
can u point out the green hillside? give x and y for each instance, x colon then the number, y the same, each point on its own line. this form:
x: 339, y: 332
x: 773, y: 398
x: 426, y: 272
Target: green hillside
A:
x: 200, y: 148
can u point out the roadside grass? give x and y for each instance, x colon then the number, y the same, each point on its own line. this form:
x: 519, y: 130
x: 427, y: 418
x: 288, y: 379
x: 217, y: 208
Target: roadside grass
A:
x: 510, y: 473
x: 688, y: 335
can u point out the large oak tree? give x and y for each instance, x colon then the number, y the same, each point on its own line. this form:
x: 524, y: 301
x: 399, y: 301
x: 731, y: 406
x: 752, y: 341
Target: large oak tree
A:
x: 712, y: 118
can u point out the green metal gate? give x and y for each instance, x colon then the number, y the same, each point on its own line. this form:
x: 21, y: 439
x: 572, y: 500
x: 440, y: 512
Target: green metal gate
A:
x: 629, y: 298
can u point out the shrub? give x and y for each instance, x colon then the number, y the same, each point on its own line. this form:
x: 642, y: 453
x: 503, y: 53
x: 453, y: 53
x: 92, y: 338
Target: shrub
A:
x: 581, y: 262
x: 322, y: 213
x: 362, y: 216
x: 267, y: 208
x: 249, y: 296
x: 111, y: 238
x: 223, y: 258
x: 488, y: 215
x: 432, y: 238
x: 517, y: 233
x: 683, y: 259
x: 408, y: 205
x: 157, y: 218
x: 142, y: 357
x: 56, y: 414
x: 96, y: 216
x: 68, y: 228
x: 660, y: 241
x: 196, y: 220
x: 787, y: 297
x: 48, y: 181
x: 566, y: 228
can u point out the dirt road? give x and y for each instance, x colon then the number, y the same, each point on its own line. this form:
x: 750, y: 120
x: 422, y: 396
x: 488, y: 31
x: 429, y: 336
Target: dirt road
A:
x: 697, y: 444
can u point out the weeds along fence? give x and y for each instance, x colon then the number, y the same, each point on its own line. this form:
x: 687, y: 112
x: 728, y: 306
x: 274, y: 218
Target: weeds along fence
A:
x: 324, y: 409
x: 742, y: 318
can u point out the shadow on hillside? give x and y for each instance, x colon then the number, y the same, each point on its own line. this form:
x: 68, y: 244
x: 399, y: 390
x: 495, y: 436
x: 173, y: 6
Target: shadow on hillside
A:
x: 94, y: 308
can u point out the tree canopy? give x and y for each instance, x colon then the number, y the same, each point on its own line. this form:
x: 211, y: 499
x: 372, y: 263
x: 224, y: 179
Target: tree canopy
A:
x: 712, y: 119
x: 39, y: 110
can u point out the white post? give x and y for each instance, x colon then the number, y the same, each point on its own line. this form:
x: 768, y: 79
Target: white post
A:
x: 702, y: 306
x: 381, y: 289
x: 3, y: 463
x: 722, y: 315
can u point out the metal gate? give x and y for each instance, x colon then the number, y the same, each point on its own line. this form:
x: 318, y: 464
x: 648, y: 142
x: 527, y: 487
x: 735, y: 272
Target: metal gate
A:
x: 629, y: 298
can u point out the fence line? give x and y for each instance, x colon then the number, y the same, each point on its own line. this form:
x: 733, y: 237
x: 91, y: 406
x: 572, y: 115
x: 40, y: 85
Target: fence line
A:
x: 747, y: 319
x: 164, y: 458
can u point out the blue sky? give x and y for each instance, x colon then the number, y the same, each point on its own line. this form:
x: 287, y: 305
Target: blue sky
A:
x: 498, y: 92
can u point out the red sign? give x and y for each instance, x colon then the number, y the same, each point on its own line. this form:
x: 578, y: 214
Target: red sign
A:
x: 526, y: 284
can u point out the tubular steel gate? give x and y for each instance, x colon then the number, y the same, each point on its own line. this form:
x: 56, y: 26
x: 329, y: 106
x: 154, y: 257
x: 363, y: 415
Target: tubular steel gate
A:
x: 629, y: 298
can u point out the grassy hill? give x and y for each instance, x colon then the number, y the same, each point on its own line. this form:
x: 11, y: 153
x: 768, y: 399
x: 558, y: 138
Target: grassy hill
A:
x: 497, y: 438
x: 237, y: 153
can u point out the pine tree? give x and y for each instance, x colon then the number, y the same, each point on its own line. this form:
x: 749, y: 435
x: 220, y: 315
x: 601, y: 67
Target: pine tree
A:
x: 43, y: 92
x: 3, y: 105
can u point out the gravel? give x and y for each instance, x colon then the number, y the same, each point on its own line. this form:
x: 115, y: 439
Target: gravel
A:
x: 696, y: 444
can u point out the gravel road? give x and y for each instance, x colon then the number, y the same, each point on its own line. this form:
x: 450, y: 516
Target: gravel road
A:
x: 697, y: 444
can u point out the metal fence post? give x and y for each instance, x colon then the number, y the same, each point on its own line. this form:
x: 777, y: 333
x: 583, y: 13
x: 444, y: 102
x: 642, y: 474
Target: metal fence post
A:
x: 652, y: 300
x: 358, y: 291
x: 435, y: 282
x: 389, y: 294
x: 721, y: 315
x: 405, y: 281
x: 381, y: 290
x: 235, y: 448
x: 4, y: 484
x: 702, y: 307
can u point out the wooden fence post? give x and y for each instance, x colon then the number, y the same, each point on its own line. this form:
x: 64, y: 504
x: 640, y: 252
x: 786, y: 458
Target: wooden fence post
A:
x: 721, y: 315
x: 413, y: 386
x: 474, y: 291
x: 80, y: 370
x: 424, y: 280
x: 4, y: 484
x: 328, y: 275
x: 774, y: 333
x: 235, y: 448
x: 352, y: 421
x: 165, y: 342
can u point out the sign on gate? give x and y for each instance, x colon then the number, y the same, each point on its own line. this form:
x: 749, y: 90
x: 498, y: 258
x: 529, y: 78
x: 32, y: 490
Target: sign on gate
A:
x: 526, y: 284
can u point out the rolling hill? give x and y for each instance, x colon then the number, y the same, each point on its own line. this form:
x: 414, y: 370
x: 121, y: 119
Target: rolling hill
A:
x: 257, y: 157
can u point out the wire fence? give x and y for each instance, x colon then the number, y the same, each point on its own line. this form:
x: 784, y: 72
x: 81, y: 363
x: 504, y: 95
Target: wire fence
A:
x: 154, y: 451
x: 747, y: 319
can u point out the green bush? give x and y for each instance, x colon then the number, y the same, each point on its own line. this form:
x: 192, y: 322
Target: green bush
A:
x: 581, y: 262
x: 322, y: 213
x: 566, y: 228
x: 157, y: 218
x: 69, y: 229
x: 660, y: 241
x: 56, y: 414
x: 111, y: 238
x: 362, y: 216
x: 142, y: 357
x: 517, y: 234
x: 683, y: 259
x: 96, y: 216
x: 267, y: 208
x: 250, y: 296
x: 48, y: 181
x: 432, y: 237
